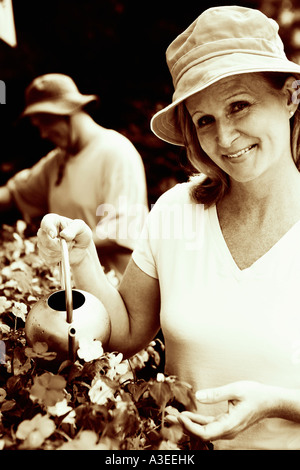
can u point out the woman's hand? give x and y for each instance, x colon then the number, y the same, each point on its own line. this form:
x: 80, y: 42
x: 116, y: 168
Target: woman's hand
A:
x: 75, y: 232
x: 248, y: 402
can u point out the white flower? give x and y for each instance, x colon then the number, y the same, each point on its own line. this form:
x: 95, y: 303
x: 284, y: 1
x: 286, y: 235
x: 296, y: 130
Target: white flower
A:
x: 19, y: 309
x: 100, y: 393
x: 35, y: 431
x: 4, y: 328
x: 160, y: 377
x: 89, y: 349
x: 4, y: 304
x: 117, y: 366
x: 61, y: 408
x: 29, y: 247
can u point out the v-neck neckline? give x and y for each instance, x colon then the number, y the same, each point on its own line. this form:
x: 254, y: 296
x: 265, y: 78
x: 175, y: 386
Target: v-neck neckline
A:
x: 226, y: 253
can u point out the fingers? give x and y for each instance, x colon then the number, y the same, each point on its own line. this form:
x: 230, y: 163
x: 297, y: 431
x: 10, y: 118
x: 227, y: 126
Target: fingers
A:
x: 53, y: 227
x: 197, y: 429
x: 52, y: 224
x: 193, y: 423
x: 208, y: 428
x: 49, y: 248
x: 197, y: 418
x: 78, y: 231
x: 204, y: 431
x: 246, y: 405
x: 214, y: 395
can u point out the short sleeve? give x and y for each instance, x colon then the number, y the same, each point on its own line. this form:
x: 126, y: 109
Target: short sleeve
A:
x: 143, y: 255
x: 164, y: 230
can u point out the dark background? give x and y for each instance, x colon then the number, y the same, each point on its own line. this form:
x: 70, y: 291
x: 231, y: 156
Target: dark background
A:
x: 115, y: 49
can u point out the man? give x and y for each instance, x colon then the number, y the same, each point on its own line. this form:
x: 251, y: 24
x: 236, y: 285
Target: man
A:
x: 94, y: 174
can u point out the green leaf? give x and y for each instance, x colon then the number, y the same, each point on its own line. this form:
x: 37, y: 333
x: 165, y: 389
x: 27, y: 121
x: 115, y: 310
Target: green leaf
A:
x: 137, y: 389
x: 161, y: 392
x: 184, y: 394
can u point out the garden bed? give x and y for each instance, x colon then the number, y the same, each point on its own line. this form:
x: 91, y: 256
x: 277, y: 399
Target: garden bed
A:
x: 100, y: 401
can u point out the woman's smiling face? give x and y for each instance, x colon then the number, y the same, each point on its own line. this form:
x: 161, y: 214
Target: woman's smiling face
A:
x: 242, y: 124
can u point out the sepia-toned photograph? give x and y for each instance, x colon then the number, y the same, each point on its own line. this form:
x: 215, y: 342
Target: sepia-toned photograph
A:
x: 149, y: 228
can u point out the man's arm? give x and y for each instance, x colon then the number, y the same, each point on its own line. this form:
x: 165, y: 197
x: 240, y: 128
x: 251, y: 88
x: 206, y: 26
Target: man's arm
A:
x: 6, y: 200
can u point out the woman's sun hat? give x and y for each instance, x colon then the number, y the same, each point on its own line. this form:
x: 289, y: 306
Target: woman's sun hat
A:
x: 221, y: 42
x: 54, y: 93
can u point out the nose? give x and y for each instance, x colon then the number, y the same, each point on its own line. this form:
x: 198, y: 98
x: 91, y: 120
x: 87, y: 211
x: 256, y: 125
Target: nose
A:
x: 226, y: 133
x: 44, y: 133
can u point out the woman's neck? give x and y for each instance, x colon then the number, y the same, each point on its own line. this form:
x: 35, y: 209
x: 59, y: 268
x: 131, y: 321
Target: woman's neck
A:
x: 279, y: 192
x: 253, y: 217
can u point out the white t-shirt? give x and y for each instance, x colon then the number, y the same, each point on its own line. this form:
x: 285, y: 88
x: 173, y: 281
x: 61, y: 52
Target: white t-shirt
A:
x: 222, y: 324
x: 104, y: 185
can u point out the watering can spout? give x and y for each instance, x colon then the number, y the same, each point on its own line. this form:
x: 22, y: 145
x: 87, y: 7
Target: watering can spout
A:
x: 66, y: 279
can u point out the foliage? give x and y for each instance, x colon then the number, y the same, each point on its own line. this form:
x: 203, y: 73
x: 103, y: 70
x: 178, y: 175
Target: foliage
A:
x: 100, y: 401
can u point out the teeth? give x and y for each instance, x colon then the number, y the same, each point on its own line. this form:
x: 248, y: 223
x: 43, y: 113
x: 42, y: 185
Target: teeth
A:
x: 241, y: 152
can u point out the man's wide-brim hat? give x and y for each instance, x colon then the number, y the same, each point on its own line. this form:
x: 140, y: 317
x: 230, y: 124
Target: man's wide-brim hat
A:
x: 54, y: 93
x: 221, y: 42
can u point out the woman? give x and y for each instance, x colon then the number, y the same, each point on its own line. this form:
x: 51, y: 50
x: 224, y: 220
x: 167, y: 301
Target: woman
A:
x: 218, y: 264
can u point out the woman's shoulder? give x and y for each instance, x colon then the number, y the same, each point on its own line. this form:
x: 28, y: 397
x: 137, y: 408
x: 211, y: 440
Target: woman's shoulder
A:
x: 180, y: 193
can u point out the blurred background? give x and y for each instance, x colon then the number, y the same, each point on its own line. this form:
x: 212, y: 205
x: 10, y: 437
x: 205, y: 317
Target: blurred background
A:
x: 115, y: 49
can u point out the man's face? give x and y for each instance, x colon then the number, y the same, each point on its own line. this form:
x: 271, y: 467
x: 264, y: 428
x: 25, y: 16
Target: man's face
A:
x: 54, y: 128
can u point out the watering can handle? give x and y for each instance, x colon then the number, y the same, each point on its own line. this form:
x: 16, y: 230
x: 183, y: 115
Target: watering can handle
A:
x: 66, y: 279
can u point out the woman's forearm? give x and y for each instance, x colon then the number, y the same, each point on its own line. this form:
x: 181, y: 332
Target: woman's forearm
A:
x: 88, y: 275
x: 285, y: 403
x: 133, y: 308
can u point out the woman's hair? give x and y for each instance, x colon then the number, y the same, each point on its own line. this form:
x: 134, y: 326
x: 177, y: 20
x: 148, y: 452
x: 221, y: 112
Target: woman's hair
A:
x: 209, y: 182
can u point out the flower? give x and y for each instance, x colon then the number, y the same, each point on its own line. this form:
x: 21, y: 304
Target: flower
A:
x: 89, y: 349
x: 4, y: 304
x: 168, y: 445
x: 117, y: 366
x: 2, y: 395
x: 86, y: 440
x: 21, y: 227
x: 40, y: 350
x: 5, y: 329
x: 47, y: 389
x: 100, y: 392
x: 19, y: 309
x: 139, y: 360
x: 29, y: 247
x: 61, y: 408
x: 160, y: 377
x: 11, y: 283
x: 34, y: 432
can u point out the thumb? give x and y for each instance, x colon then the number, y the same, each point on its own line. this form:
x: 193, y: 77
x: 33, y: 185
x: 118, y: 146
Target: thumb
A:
x: 215, y: 395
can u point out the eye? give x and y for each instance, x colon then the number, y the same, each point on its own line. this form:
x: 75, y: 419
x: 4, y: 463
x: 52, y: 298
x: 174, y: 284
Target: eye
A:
x: 205, y: 121
x: 239, y: 106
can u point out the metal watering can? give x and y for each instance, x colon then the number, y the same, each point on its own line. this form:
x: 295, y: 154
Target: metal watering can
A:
x: 66, y: 316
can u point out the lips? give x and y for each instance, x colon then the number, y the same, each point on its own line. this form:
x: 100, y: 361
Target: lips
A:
x: 240, y: 152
